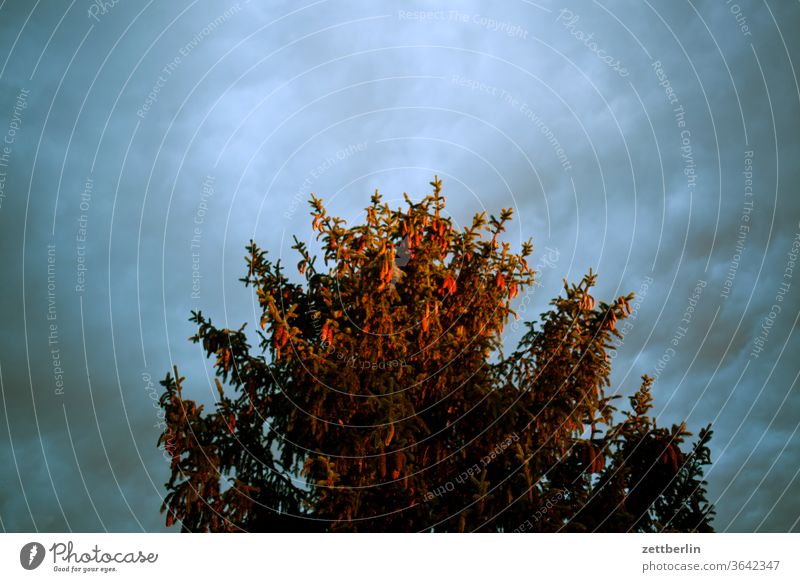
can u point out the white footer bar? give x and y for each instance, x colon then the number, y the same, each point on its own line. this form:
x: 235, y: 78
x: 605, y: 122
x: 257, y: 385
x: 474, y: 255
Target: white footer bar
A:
x: 396, y: 557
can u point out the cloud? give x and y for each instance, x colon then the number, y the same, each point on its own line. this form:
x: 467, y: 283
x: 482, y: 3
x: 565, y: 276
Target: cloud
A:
x: 510, y: 104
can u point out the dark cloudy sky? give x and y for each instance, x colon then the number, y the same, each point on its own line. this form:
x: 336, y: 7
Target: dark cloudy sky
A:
x: 655, y: 142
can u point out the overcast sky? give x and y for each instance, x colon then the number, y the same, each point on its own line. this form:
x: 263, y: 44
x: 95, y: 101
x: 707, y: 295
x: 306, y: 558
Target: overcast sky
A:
x: 145, y: 143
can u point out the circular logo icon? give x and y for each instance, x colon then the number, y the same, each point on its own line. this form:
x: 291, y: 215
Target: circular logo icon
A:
x: 31, y: 555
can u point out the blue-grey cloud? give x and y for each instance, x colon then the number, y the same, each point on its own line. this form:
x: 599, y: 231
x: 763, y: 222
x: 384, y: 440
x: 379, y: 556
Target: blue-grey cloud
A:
x: 620, y: 134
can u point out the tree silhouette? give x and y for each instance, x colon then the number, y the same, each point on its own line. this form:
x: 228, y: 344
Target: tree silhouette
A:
x: 379, y: 398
